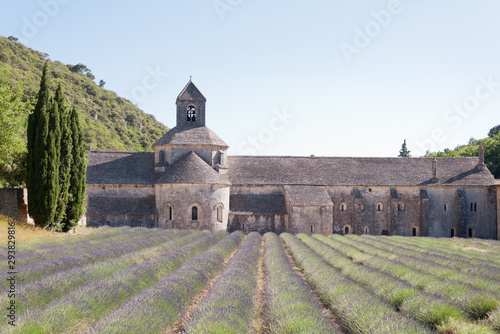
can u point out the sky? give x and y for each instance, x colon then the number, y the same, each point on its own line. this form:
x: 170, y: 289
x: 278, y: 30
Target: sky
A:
x: 322, y: 77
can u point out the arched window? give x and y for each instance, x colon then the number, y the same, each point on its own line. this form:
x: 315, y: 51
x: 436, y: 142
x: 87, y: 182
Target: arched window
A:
x: 312, y: 228
x: 108, y: 223
x: 475, y: 206
x: 194, y: 213
x: 346, y: 229
x: 140, y: 222
x: 191, y: 114
x: 244, y: 226
x: 446, y: 206
x: 471, y: 206
x: 219, y: 213
x: 170, y: 213
x: 470, y: 232
x: 401, y: 206
x: 367, y: 230
x: 414, y: 232
x: 343, y: 206
x: 161, y: 157
x: 452, y: 232
x: 380, y: 206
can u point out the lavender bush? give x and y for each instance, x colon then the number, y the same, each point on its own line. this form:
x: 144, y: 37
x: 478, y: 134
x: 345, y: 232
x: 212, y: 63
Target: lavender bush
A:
x: 229, y: 307
x: 159, y: 307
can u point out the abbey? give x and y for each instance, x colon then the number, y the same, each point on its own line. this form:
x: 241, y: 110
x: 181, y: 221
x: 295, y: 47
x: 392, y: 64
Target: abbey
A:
x: 190, y: 182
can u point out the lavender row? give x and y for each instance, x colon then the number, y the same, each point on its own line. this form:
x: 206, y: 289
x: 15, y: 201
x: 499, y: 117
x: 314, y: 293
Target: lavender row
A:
x: 229, y: 306
x: 84, y: 306
x: 358, y: 310
x: 37, y: 270
x: 430, y: 308
x: 473, y: 302
x: 47, y: 243
x: 290, y: 303
x: 37, y: 249
x: 41, y: 292
x: 447, y: 266
x: 108, y: 242
x: 458, y: 260
x: 158, y: 308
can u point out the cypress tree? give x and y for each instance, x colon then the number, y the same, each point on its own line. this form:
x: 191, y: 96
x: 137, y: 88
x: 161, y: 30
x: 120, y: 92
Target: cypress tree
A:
x: 40, y: 176
x: 404, y: 152
x: 53, y: 151
x: 76, y: 203
x: 66, y: 157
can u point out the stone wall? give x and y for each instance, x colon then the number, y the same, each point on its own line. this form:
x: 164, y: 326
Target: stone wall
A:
x: 182, y: 198
x: 14, y: 203
x: 114, y: 220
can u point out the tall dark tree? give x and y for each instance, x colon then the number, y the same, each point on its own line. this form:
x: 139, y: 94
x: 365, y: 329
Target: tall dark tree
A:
x: 75, y: 207
x: 404, y: 152
x: 43, y: 163
x: 66, y: 156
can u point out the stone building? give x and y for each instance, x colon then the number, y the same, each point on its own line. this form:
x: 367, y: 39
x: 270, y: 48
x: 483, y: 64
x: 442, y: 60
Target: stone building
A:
x: 189, y: 181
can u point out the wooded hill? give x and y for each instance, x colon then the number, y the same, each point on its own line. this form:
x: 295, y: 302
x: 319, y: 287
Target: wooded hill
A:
x: 109, y: 122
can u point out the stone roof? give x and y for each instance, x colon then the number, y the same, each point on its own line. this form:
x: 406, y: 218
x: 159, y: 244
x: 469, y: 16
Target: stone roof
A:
x: 332, y: 171
x: 257, y: 204
x: 121, y: 205
x: 118, y: 167
x: 191, y: 93
x: 307, y: 195
x: 189, y: 135
x: 192, y: 169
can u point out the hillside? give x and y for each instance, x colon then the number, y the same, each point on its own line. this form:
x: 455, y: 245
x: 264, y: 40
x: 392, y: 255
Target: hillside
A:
x: 109, y: 121
x: 491, y: 145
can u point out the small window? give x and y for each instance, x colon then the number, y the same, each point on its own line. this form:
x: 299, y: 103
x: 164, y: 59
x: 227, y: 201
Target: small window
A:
x: 219, y: 213
x: 244, y: 226
x: 312, y: 228
x: 161, y: 157
x: 470, y: 232
x: 191, y: 114
x: 140, y: 223
x: 414, y: 232
x: 446, y: 206
x: 194, y: 213
x: 367, y: 230
x: 170, y: 212
x: 452, y: 232
x: 380, y: 206
x: 401, y: 206
x: 471, y: 206
x: 475, y: 206
x: 346, y: 230
x: 108, y: 223
x: 343, y: 206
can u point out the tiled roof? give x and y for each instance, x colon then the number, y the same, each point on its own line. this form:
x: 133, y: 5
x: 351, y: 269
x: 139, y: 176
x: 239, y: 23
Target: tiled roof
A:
x: 307, y: 195
x: 191, y: 93
x: 257, y: 204
x: 121, y: 205
x: 189, y: 135
x: 192, y: 169
x: 331, y: 171
x: 117, y: 167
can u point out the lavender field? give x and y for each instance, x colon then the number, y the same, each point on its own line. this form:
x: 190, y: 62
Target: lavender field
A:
x: 138, y: 280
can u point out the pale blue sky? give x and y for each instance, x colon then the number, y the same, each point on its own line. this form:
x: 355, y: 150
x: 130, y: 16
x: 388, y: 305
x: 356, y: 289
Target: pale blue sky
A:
x: 290, y: 77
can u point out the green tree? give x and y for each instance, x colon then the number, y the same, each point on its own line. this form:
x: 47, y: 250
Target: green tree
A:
x: 102, y: 83
x: 404, y: 152
x: 76, y: 204
x: 494, y: 131
x: 42, y: 163
x: 13, y: 118
x: 66, y: 157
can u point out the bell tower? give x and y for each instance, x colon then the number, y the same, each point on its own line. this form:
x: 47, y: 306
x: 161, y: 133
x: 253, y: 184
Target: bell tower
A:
x: 190, y: 107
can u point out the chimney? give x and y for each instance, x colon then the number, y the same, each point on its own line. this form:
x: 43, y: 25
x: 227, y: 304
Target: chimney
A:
x: 434, y: 170
x: 480, y: 160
